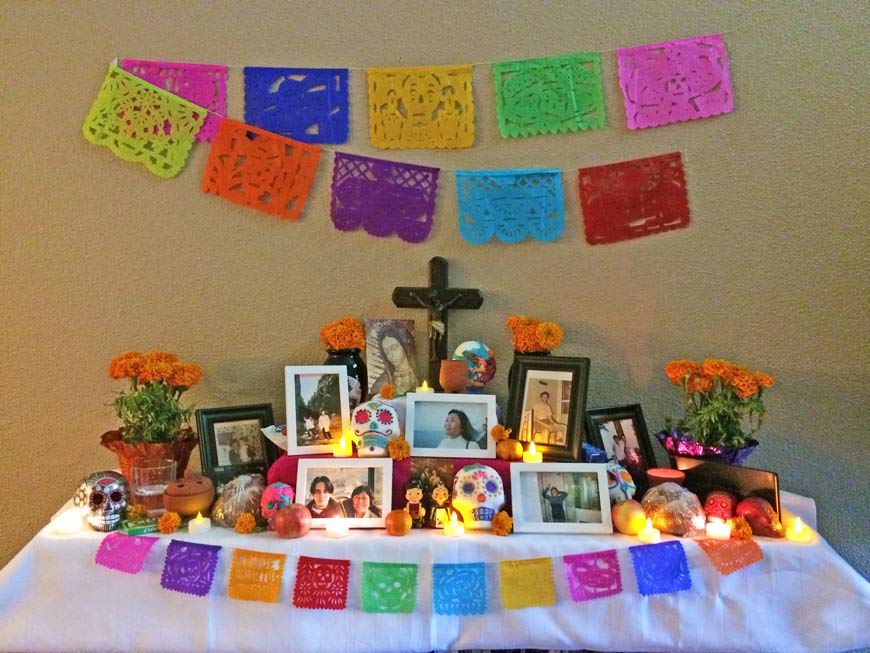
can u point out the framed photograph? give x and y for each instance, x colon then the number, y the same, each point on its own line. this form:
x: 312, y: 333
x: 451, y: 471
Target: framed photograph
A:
x: 391, y: 356
x: 450, y: 425
x: 318, y: 409
x: 231, y: 443
x: 358, y: 489
x: 621, y: 432
x: 547, y: 404
x: 560, y: 498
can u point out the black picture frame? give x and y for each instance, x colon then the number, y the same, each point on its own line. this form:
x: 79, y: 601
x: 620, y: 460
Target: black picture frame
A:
x: 529, y: 375
x: 616, y: 415
x: 218, y: 426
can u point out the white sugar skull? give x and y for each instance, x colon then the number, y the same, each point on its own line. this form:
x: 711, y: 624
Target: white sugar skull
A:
x: 103, y: 497
x: 478, y: 493
x: 375, y: 423
x: 619, y: 483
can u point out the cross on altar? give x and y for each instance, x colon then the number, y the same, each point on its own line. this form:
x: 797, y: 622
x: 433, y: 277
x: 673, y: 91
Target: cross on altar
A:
x: 437, y: 299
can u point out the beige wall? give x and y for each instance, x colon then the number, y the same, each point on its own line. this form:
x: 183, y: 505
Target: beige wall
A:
x: 99, y: 256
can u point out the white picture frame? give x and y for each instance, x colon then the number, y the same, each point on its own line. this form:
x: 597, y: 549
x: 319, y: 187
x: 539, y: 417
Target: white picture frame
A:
x: 579, y: 493
x: 301, y: 383
x: 426, y: 427
x: 346, y: 475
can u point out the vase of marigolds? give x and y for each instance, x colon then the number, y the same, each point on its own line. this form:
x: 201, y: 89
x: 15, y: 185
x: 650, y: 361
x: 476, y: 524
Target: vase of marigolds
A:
x: 723, y: 409
x: 532, y: 337
x: 154, y: 423
x: 344, y: 340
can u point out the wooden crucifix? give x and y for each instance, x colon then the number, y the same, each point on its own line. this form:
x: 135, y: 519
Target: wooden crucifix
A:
x: 437, y: 299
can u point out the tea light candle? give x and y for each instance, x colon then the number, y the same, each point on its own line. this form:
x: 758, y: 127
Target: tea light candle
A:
x: 68, y: 522
x: 650, y: 535
x: 718, y: 530
x: 425, y: 388
x: 797, y: 532
x: 453, y: 528
x: 342, y: 449
x: 532, y: 456
x: 199, y: 526
x: 336, y: 528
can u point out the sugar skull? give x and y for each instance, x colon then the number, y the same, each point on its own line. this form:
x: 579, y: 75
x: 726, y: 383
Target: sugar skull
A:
x: 720, y: 504
x: 103, y: 497
x: 276, y: 496
x: 478, y: 493
x: 480, y: 361
x: 619, y: 483
x: 761, y: 516
x: 375, y: 423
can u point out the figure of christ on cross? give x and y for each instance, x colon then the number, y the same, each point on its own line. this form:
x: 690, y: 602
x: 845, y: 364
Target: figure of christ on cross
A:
x: 437, y: 298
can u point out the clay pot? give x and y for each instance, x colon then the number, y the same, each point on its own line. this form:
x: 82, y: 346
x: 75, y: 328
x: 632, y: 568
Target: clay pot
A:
x: 454, y: 375
x: 178, y: 450
x: 190, y: 495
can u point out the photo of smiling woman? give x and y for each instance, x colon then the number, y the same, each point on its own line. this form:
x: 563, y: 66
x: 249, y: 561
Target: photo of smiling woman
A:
x: 450, y: 425
x: 458, y: 432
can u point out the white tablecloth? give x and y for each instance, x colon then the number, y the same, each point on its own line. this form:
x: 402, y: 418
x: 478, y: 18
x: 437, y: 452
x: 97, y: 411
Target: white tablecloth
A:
x: 800, y: 597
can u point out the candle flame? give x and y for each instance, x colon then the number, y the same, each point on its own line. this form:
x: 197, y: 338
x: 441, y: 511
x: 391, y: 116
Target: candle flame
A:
x: 198, y: 517
x: 425, y: 386
x: 453, y: 520
x: 532, y: 448
x: 649, y: 527
x: 342, y: 444
x: 798, y: 525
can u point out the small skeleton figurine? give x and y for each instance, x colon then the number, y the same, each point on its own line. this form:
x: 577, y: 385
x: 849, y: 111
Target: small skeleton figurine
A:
x: 414, y: 507
x: 439, y: 514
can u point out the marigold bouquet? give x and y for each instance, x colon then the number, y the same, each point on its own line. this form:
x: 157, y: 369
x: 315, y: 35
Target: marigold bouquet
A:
x: 719, y: 399
x: 532, y: 335
x: 150, y: 409
x: 346, y: 333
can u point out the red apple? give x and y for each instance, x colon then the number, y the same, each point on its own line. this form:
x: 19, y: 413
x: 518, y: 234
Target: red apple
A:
x: 293, y: 521
x: 628, y: 517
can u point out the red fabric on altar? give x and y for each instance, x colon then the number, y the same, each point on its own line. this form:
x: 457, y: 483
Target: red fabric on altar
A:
x: 284, y: 470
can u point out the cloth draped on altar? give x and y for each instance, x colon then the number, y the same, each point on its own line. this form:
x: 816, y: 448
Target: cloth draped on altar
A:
x: 800, y: 597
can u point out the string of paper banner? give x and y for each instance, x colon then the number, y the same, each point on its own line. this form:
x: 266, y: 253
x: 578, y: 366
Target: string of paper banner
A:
x: 390, y: 587
x: 152, y: 112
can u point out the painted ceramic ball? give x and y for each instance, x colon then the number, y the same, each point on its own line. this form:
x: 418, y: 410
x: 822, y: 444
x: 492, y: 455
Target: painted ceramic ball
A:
x: 480, y: 361
x: 619, y: 483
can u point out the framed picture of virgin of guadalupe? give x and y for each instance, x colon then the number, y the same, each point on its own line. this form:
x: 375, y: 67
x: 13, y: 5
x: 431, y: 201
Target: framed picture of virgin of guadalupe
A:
x: 391, y: 356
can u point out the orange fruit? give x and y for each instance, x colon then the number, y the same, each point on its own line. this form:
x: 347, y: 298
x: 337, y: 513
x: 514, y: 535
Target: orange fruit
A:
x: 398, y: 522
x: 509, y: 450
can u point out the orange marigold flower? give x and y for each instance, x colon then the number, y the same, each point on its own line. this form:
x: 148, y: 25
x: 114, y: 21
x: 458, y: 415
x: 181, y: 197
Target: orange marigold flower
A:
x: 346, y: 333
x: 156, y: 371
x: 515, y: 321
x: 246, y: 523
x: 388, y: 391
x: 699, y: 383
x: 125, y: 365
x: 718, y: 367
x: 499, y: 433
x: 168, y: 523
x: 161, y: 357
x: 185, y: 375
x: 549, y: 334
x: 744, y: 384
x: 676, y: 370
x: 398, y: 448
x: 502, y: 523
x: 740, y: 528
x: 762, y: 379
x: 525, y: 338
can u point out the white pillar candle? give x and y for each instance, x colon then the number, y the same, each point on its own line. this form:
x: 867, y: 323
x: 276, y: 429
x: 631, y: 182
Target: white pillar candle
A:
x: 343, y: 448
x: 718, y: 530
x: 797, y: 532
x: 650, y: 535
x: 337, y: 527
x: 532, y: 456
x: 453, y: 528
x: 424, y: 388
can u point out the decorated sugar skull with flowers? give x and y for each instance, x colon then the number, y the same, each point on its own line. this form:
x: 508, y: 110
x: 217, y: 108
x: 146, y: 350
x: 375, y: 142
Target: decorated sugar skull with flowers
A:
x: 620, y: 484
x: 478, y: 493
x: 374, y: 423
x: 275, y: 496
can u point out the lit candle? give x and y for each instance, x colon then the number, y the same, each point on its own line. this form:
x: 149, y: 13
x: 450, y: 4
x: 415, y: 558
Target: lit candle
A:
x: 199, y: 526
x: 797, y: 532
x: 532, y: 456
x: 425, y: 388
x: 342, y: 449
x: 718, y: 530
x: 68, y: 522
x: 649, y: 534
x: 337, y: 527
x: 453, y: 528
